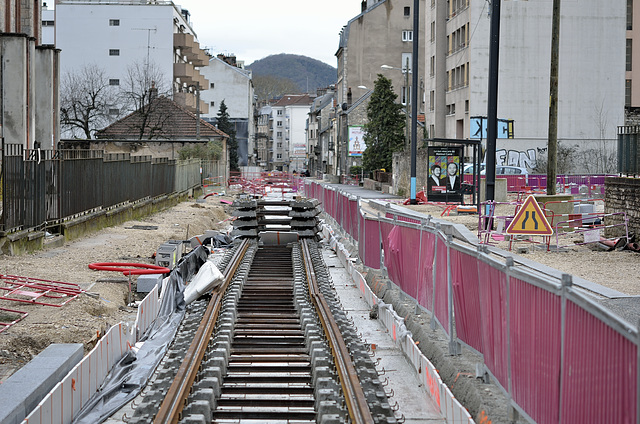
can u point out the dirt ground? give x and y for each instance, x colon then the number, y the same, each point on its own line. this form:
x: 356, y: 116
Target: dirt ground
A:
x: 83, y: 318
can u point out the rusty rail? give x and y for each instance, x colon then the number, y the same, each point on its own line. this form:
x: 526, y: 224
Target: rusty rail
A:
x: 176, y: 397
x: 354, y: 396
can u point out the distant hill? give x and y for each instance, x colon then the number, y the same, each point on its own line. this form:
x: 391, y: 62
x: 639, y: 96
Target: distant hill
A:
x: 307, y: 74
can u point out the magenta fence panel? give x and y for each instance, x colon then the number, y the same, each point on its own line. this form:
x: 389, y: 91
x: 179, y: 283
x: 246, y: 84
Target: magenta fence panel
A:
x: 404, y: 258
x: 425, y: 271
x: 599, y: 373
x: 354, y: 213
x: 535, y: 344
x: 493, y: 296
x: 466, y: 298
x: 385, y: 229
x: 372, y: 243
x: 441, y: 304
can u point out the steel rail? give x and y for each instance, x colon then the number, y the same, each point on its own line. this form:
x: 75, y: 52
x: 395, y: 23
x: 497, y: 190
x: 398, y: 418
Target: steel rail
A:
x: 173, y: 403
x: 357, y: 406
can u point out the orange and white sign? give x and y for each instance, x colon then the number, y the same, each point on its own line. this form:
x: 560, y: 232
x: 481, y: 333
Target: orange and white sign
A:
x: 530, y: 220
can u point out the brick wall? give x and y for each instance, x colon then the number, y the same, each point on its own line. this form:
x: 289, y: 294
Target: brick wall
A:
x: 622, y: 194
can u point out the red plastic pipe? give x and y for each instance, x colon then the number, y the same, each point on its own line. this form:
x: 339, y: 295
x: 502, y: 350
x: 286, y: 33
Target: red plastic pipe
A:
x: 131, y: 268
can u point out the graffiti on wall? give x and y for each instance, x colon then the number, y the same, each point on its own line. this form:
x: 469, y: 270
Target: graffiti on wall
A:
x: 516, y: 158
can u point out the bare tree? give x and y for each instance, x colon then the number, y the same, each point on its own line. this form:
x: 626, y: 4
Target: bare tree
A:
x: 86, y: 101
x: 144, y: 82
x: 268, y: 87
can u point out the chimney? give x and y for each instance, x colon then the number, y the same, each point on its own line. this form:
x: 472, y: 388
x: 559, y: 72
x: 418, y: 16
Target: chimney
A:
x: 363, y: 5
x: 153, y: 91
x: 349, y: 97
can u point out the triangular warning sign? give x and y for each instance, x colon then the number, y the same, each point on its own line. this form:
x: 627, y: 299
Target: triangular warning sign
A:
x: 530, y: 220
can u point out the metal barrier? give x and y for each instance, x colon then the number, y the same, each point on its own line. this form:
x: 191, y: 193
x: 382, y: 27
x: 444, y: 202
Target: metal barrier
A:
x: 559, y: 357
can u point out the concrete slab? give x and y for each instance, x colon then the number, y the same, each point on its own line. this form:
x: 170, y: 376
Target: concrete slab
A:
x: 22, y: 392
x: 414, y: 403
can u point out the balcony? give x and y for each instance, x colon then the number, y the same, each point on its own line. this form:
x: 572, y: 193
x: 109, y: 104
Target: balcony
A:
x: 189, y: 75
x: 188, y: 101
x: 190, y: 48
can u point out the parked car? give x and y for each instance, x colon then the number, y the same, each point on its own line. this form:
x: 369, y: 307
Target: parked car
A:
x: 468, y: 169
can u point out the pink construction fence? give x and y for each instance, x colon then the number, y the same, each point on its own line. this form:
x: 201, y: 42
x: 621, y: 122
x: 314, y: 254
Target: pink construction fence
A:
x: 559, y: 356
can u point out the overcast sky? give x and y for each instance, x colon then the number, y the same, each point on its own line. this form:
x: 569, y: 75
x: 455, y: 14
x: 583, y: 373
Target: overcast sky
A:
x: 254, y: 29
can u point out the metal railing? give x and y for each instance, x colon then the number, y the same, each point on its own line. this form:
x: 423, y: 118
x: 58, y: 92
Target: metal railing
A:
x: 542, y: 339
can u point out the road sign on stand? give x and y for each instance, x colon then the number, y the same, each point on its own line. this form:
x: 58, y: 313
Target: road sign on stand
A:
x: 530, y: 220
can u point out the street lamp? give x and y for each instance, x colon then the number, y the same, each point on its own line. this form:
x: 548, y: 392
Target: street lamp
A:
x: 405, y: 71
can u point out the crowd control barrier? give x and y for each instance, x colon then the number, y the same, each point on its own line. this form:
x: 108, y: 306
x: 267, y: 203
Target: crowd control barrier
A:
x: 559, y: 356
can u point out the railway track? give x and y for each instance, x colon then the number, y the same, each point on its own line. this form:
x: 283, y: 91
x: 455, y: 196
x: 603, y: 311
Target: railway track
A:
x: 272, y: 346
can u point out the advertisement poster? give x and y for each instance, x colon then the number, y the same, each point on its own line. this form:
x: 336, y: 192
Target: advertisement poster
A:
x: 356, y: 141
x: 445, y: 174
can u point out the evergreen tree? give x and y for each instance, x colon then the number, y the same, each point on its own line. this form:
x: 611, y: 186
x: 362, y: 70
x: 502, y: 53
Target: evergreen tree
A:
x: 384, y: 131
x: 226, y: 126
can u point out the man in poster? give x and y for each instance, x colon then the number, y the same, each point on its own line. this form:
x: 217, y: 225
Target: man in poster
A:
x: 452, y: 178
x: 433, y: 183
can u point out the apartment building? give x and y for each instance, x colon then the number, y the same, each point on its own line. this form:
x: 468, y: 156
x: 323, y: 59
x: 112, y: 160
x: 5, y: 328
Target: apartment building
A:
x: 632, y: 70
x: 382, y: 34
x: 231, y: 83
x: 287, y: 147
x: 591, y: 87
x: 117, y: 35
x: 321, y: 134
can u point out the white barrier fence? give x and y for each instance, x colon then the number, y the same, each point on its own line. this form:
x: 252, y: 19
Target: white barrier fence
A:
x: 70, y: 395
x: 449, y: 406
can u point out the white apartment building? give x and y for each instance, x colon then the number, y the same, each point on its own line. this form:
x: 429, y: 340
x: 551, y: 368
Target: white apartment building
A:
x: 591, y: 73
x: 116, y: 34
x: 287, y: 146
x: 230, y: 82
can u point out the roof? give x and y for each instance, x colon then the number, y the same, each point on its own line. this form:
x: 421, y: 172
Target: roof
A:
x: 166, y: 120
x: 294, y: 100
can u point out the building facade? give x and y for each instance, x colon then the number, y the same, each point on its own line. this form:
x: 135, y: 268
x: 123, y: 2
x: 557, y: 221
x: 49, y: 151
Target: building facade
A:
x: 231, y: 83
x: 377, y: 41
x: 29, y: 79
x: 287, y: 145
x: 591, y: 79
x: 128, y: 37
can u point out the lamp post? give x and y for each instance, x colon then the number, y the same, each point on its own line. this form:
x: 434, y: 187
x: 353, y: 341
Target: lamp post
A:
x: 405, y: 71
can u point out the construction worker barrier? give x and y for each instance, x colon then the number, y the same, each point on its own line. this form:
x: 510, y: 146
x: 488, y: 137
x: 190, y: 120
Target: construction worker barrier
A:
x: 449, y: 406
x: 558, y: 355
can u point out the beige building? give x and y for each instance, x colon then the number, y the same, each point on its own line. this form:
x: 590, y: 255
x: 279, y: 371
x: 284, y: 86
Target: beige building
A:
x: 632, y: 90
x: 381, y: 34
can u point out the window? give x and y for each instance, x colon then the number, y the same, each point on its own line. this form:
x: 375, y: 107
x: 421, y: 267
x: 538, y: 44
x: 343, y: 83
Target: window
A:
x: 114, y: 111
x: 212, y: 86
x: 466, y: 106
x: 433, y: 31
x: 629, y: 15
x: 279, y: 134
x: 212, y: 104
x: 407, y: 11
x: 279, y: 113
x: 627, y: 93
x: 279, y: 156
x: 114, y: 52
x: 629, y: 53
x: 48, y: 23
x: 279, y: 123
x: 280, y: 145
x: 114, y: 22
x: 407, y: 35
x: 114, y: 81
x: 432, y: 66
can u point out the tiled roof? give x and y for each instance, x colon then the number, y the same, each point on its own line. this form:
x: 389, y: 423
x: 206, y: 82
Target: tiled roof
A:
x: 294, y: 99
x: 167, y: 120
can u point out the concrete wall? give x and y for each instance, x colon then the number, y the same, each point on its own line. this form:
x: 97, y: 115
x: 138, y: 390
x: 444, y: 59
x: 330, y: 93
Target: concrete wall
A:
x: 622, y: 195
x: 47, y: 114
x: 15, y: 59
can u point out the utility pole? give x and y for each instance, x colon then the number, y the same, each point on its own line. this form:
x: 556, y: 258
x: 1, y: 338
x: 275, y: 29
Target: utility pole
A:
x: 492, y: 106
x: 407, y: 142
x: 552, y: 146
x: 414, y: 100
x: 197, y: 111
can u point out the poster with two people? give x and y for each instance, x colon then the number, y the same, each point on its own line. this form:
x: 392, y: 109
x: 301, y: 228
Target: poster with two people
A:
x: 445, y: 174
